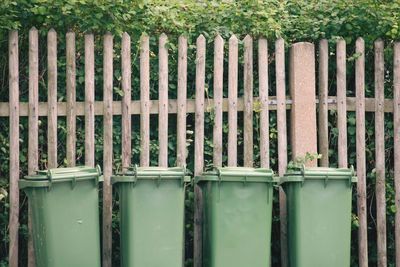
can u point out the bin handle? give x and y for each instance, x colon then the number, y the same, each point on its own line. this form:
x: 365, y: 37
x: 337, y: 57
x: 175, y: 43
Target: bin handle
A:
x: 353, y: 174
x: 158, y: 177
x: 351, y: 177
x: 73, y: 182
x: 99, y: 174
x: 50, y: 178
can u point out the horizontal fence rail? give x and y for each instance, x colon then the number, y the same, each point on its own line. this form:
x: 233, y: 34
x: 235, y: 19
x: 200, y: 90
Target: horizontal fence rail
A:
x: 134, y: 106
x: 305, y: 61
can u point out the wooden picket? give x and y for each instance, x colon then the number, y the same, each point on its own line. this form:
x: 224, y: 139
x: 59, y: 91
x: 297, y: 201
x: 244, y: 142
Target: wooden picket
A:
x: 341, y: 102
x: 144, y: 101
x: 199, y: 148
x: 163, y: 102
x: 89, y: 100
x: 282, y: 140
x: 361, y: 160
x: 52, y: 99
x: 126, y: 99
x: 33, y: 145
x: 323, y: 141
x: 107, y: 146
x: 263, y: 94
x: 218, y: 96
x: 246, y: 104
x: 71, y: 99
x: 380, y: 154
x: 181, y: 103
x: 233, y: 100
x: 396, y: 142
x: 14, y: 147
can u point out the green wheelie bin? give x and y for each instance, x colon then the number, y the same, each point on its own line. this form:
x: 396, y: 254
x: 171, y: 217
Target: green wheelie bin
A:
x: 65, y: 216
x: 151, y: 202
x: 319, y: 216
x: 237, y: 216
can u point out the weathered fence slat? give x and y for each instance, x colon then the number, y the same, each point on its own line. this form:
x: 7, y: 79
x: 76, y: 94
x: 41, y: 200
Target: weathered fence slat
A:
x: 181, y: 102
x: 89, y: 100
x: 248, y: 102
x: 108, y: 147
x: 71, y: 99
x: 33, y: 127
x: 33, y: 101
x: 396, y: 142
x: 13, y: 225
x: 380, y: 153
x: 263, y: 94
x: 233, y: 98
x: 323, y: 141
x: 144, y: 101
x: 163, y: 101
x: 199, y: 147
x: 341, y: 102
x: 199, y: 105
x: 52, y: 99
x: 360, y: 150
x: 126, y: 100
x: 218, y: 97
x: 282, y: 140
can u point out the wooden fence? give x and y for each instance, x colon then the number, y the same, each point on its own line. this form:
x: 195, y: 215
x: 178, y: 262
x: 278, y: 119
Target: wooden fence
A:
x: 302, y: 103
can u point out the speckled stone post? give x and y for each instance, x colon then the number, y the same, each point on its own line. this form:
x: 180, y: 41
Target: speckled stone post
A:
x: 302, y: 91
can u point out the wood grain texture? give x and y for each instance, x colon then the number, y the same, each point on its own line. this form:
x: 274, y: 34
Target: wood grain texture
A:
x: 282, y: 141
x: 13, y: 77
x: 144, y: 101
x: 33, y: 117
x: 218, y: 97
x: 52, y: 99
x: 89, y: 100
x: 281, y: 105
x: 33, y: 121
x: 199, y: 105
x: 126, y: 101
x: 181, y: 102
x: 163, y: 101
x: 71, y: 98
x: 341, y: 102
x: 264, y: 110
x: 233, y: 100
x: 360, y: 150
x: 380, y: 153
x: 190, y: 106
x: 396, y: 142
x: 108, y: 147
x: 248, y: 102
x: 199, y: 148
x: 323, y: 141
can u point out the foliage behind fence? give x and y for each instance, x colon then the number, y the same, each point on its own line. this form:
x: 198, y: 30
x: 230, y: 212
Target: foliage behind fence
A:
x: 294, y: 20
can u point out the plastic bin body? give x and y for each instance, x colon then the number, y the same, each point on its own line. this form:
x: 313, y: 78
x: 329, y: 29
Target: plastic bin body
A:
x: 319, y: 217
x: 237, y: 217
x: 152, y: 216
x: 65, y: 218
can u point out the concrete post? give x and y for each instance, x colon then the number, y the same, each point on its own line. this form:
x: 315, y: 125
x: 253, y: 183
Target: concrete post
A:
x: 302, y: 90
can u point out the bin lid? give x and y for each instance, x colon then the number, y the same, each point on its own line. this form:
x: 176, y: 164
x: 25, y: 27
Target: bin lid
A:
x: 238, y: 174
x: 71, y: 174
x: 300, y: 174
x: 134, y: 173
